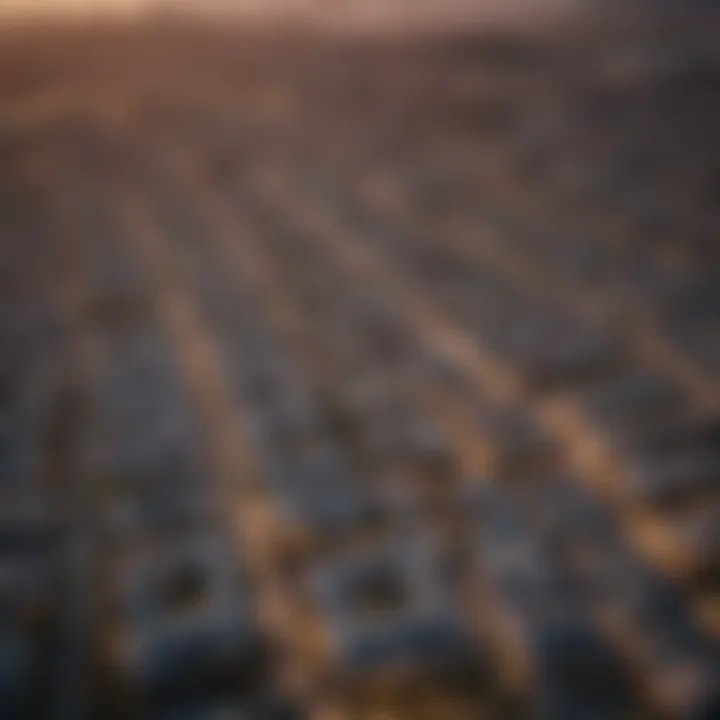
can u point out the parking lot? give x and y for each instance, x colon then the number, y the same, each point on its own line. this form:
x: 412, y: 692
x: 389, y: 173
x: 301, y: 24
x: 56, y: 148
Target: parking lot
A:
x: 359, y: 378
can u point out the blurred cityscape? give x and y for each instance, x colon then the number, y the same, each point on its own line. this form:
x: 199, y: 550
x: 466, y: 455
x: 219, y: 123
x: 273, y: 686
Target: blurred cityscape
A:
x: 360, y: 376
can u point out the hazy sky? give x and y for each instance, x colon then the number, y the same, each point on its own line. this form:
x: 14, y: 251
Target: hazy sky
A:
x: 55, y: 6
x: 329, y: 9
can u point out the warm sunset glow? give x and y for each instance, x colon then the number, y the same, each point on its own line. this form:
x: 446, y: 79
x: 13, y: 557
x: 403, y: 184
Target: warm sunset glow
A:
x: 354, y: 11
x: 61, y: 7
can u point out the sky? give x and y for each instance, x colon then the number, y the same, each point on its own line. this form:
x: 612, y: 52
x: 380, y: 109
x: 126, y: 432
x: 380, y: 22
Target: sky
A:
x: 69, y: 6
x: 335, y: 7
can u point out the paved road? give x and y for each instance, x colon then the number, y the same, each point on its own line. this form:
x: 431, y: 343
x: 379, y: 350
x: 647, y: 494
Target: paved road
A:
x: 359, y: 380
